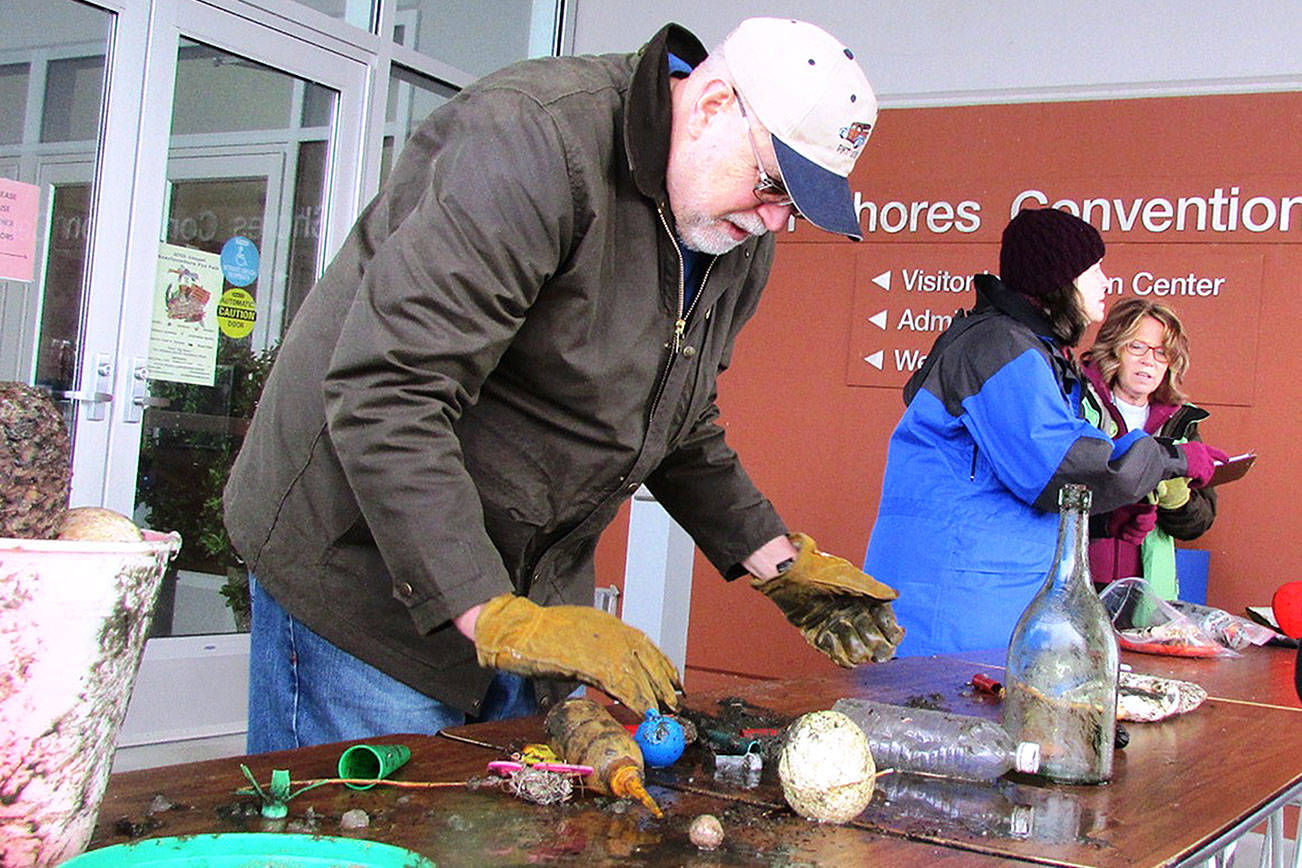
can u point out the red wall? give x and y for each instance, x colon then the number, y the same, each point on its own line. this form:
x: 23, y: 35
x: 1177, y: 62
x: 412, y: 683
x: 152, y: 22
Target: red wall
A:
x: 811, y: 418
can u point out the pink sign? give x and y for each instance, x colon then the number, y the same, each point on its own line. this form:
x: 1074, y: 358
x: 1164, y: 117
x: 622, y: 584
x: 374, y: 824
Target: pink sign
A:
x: 18, y: 204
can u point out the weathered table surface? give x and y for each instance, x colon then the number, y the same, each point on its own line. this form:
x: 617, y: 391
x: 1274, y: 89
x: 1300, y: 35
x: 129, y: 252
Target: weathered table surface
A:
x: 1183, y: 787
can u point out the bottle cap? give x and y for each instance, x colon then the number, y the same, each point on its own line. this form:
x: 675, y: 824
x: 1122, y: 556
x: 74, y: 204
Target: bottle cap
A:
x: 1027, y: 758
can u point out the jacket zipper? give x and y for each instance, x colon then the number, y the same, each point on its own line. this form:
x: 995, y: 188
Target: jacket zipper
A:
x: 676, y: 339
x: 680, y: 323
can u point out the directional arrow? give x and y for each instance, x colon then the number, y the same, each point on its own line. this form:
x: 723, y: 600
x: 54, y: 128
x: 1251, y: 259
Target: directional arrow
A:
x: 875, y: 359
x: 878, y: 319
x: 883, y: 280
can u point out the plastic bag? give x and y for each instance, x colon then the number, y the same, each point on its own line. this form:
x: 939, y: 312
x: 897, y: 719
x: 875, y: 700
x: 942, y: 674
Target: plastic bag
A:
x: 1232, y: 631
x: 1145, y: 622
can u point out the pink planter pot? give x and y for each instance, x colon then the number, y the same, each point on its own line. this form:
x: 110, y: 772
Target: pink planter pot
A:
x: 73, y: 621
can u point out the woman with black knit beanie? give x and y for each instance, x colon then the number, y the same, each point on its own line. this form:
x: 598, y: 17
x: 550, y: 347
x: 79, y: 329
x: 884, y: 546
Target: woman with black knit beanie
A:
x: 992, y: 430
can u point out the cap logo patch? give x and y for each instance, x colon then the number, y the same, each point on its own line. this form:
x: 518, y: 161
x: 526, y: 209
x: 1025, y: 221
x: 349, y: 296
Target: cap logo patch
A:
x: 856, y: 134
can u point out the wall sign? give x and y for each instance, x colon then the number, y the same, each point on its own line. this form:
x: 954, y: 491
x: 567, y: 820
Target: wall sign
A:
x: 905, y: 295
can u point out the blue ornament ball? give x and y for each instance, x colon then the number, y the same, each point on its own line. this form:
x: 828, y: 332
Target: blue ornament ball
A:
x: 661, y: 739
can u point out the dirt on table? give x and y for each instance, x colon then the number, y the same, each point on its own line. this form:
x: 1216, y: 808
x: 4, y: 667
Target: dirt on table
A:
x: 933, y: 701
x: 738, y: 727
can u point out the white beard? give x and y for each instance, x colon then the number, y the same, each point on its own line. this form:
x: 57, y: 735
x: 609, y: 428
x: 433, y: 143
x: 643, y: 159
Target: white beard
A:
x: 706, y: 235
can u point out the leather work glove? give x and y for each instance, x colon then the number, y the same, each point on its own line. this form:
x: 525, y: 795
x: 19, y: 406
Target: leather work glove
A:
x: 1202, y: 460
x: 517, y: 635
x: 1133, y: 522
x: 1173, y: 493
x: 839, y: 609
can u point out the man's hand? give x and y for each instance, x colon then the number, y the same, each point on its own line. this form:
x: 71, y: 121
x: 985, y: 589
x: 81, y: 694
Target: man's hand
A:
x: 839, y: 609
x: 516, y: 635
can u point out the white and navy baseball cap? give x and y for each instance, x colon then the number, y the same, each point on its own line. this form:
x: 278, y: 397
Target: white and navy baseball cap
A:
x: 808, y: 91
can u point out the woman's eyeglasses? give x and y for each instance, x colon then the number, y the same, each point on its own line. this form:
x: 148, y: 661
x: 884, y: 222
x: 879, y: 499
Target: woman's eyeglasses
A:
x: 1139, y: 349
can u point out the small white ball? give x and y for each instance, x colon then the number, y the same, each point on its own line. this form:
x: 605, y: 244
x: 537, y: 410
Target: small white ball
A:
x: 706, y: 832
x: 826, y: 768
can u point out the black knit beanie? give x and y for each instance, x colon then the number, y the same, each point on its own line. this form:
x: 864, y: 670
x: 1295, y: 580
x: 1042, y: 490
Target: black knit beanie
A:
x: 1044, y: 249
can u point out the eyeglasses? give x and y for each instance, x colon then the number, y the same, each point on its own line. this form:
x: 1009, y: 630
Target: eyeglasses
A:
x: 768, y: 190
x: 1139, y: 349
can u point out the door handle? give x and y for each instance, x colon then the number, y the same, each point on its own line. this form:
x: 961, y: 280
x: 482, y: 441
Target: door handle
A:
x: 84, y: 397
x: 99, y: 396
x: 140, y: 397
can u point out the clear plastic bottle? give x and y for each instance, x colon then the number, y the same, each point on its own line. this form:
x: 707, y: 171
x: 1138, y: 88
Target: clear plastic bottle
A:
x: 1061, y: 679
x: 938, y: 742
x: 979, y: 807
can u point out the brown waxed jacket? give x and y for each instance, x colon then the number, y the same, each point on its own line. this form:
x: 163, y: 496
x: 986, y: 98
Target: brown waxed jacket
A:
x: 489, y: 368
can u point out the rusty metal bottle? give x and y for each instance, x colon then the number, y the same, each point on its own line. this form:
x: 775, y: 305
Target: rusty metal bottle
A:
x: 1062, y: 661
x: 584, y: 733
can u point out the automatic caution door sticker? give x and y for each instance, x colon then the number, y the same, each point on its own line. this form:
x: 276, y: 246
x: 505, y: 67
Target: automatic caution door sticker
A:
x: 236, y: 313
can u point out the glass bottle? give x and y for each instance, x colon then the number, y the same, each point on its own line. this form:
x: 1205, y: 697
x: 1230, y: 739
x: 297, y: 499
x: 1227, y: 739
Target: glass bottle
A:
x: 1062, y: 663
x: 938, y: 742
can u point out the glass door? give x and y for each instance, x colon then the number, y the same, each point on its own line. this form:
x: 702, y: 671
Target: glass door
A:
x: 195, y: 164
x: 255, y: 180
x: 53, y: 86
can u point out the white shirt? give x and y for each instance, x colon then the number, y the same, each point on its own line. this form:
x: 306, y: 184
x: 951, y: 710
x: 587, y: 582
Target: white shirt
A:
x: 1134, y: 416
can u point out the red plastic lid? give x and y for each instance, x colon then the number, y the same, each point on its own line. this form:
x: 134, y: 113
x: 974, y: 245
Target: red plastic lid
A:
x: 1287, y: 605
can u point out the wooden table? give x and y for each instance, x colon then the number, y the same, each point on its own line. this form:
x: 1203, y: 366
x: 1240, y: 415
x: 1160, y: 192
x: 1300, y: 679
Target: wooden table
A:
x: 1183, y: 789
x: 460, y: 827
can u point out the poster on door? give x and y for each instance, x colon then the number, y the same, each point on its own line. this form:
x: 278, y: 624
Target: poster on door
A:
x: 18, y: 210
x: 183, y: 328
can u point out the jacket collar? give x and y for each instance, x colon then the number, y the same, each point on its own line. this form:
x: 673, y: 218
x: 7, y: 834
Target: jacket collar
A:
x: 648, y: 111
x: 991, y: 293
x: 993, y: 298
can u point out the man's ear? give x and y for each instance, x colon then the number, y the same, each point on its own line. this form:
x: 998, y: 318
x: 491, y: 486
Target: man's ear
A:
x: 715, y: 98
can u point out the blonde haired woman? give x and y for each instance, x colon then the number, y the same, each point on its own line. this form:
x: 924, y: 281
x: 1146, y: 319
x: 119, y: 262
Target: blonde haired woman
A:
x: 1135, y: 370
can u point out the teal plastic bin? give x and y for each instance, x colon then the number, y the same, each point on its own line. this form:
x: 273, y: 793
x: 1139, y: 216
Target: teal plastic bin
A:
x: 246, y: 849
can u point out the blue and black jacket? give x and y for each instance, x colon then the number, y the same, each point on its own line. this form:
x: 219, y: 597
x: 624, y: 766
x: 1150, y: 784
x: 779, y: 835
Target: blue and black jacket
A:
x: 992, y: 430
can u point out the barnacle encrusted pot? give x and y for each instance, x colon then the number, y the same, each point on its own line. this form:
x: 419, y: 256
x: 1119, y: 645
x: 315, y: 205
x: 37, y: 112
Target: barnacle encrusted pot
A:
x: 73, y: 620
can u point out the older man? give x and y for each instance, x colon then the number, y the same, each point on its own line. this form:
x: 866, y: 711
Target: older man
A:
x: 524, y: 326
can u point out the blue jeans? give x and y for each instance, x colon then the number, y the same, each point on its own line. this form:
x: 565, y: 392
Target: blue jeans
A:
x: 304, y: 690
